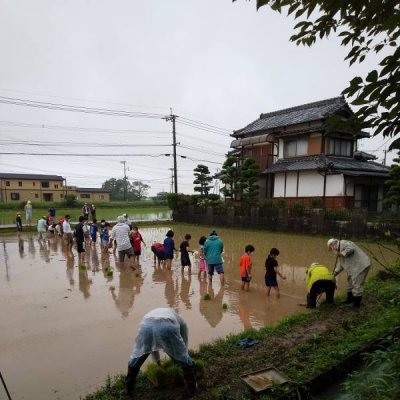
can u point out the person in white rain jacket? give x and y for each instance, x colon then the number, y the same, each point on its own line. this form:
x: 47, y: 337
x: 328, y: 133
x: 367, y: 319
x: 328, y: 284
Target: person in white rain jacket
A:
x: 161, y: 329
x: 356, y: 263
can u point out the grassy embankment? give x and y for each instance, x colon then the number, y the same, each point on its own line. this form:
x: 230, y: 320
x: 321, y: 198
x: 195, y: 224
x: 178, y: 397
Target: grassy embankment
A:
x: 301, y: 347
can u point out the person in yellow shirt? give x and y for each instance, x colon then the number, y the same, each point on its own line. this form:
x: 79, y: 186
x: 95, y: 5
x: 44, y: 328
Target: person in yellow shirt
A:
x: 319, y: 280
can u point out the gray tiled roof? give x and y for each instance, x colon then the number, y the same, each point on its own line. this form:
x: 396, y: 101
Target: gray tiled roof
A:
x: 296, y: 115
x: 31, y: 177
x: 92, y: 190
x: 346, y: 165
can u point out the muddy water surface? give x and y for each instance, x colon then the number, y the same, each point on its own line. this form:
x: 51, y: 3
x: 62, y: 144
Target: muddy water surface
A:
x: 64, y: 328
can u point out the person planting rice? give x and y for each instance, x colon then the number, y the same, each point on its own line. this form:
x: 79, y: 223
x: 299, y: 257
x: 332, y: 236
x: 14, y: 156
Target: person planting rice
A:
x: 319, y: 280
x: 161, y: 329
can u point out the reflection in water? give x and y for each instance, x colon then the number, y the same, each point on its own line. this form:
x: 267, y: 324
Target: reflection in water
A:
x: 70, y: 270
x: 170, y: 288
x: 5, y: 255
x: 129, y: 285
x: 84, y: 282
x: 185, y: 288
x: 244, y: 307
x: 31, y: 246
x: 43, y: 250
x: 212, y: 309
x: 21, y: 247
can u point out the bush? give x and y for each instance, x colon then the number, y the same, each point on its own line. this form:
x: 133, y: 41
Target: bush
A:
x: 70, y: 200
x: 179, y: 200
x: 317, y: 202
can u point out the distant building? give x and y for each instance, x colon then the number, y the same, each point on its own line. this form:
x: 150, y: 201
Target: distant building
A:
x: 43, y: 188
x: 301, y: 160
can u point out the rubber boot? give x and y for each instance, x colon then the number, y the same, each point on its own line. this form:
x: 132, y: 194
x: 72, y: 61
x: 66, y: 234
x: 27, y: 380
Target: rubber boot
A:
x: 130, y: 380
x: 189, y: 376
x: 349, y: 299
x: 357, y: 301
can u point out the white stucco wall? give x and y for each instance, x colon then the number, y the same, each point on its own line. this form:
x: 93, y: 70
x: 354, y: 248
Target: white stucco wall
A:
x: 334, y: 185
x: 279, y: 185
x: 291, y: 183
x: 311, y: 184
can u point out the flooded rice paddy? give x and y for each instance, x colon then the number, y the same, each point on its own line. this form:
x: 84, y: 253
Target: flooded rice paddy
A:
x: 64, y: 328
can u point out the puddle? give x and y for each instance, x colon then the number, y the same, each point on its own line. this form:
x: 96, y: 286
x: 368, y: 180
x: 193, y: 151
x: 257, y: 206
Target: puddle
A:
x: 64, y: 328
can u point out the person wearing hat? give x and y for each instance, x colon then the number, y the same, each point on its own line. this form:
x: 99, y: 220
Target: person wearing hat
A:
x: 121, y: 234
x: 213, y: 248
x: 28, y: 212
x: 319, y: 280
x: 350, y: 258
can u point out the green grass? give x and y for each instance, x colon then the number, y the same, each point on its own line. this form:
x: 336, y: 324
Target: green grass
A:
x: 139, y: 213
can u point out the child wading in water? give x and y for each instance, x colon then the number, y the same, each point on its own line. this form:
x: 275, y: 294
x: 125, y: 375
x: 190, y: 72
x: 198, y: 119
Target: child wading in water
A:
x: 245, y: 267
x: 202, y: 261
x: 185, y: 250
x: 137, y: 241
x: 271, y: 266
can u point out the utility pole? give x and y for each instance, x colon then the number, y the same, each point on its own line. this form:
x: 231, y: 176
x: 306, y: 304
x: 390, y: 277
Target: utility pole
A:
x: 172, y: 118
x: 384, y: 157
x: 125, y: 185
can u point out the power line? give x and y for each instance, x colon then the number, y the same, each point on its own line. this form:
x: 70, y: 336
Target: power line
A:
x: 58, y: 144
x: 78, y: 128
x: 72, y: 108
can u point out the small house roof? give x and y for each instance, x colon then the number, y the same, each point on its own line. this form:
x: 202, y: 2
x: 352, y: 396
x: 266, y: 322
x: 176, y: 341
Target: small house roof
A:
x: 296, y: 115
x: 31, y: 177
x: 92, y: 190
x: 330, y: 164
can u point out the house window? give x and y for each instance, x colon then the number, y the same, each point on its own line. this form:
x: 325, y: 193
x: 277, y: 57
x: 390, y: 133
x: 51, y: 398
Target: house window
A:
x: 294, y: 148
x: 340, y: 147
x: 61, y: 196
x: 7, y: 183
x: 84, y: 196
x: 33, y: 183
x: 45, y: 184
x: 20, y: 184
x: 36, y: 195
x: 101, y: 197
x: 14, y: 196
x: 56, y: 186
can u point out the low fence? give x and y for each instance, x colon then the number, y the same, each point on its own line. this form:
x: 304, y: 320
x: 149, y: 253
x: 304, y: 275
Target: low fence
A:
x: 356, y: 223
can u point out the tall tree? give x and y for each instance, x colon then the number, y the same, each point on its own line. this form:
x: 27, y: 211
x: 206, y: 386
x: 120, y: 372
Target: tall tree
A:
x: 202, y: 180
x: 366, y: 27
x: 136, y: 190
x: 248, y: 178
x: 139, y: 190
x: 393, y: 183
x: 229, y: 175
x: 115, y: 187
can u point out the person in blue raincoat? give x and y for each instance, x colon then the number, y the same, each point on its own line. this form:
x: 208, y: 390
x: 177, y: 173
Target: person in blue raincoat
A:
x: 161, y: 329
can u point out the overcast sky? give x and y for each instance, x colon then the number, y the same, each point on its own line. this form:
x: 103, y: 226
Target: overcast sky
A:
x: 215, y: 62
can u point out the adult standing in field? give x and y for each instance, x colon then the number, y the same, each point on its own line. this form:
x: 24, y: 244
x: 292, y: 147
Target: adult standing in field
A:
x: 67, y: 231
x: 42, y: 227
x: 169, y: 247
x: 93, y: 212
x: 162, y: 329
x: 28, y: 212
x: 86, y: 210
x: 213, y: 248
x: 121, y: 234
x: 80, y: 239
x: 350, y: 258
